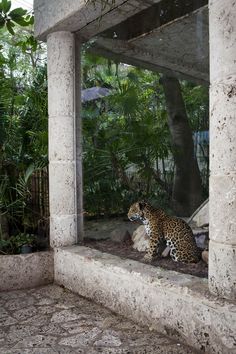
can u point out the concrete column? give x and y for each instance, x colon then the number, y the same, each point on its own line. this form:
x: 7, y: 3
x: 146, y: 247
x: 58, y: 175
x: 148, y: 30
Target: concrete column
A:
x: 64, y: 147
x: 222, y: 249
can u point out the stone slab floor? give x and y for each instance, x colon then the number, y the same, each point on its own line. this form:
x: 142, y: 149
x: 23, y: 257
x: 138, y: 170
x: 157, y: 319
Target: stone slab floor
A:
x: 51, y: 319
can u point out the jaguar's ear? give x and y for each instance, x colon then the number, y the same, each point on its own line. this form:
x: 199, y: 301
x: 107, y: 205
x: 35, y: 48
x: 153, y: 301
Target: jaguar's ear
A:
x: 141, y: 205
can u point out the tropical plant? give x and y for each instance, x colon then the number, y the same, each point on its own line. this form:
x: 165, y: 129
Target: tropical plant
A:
x: 10, y: 18
x: 23, y: 117
x: 123, y: 133
x: 127, y: 140
x: 15, y: 202
x: 13, y: 245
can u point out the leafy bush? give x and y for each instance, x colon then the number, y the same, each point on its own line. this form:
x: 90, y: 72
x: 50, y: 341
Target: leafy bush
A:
x: 14, y: 244
x: 11, y: 18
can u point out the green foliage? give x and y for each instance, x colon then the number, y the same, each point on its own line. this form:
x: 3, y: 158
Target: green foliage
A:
x: 14, y: 244
x: 22, y: 239
x: 6, y: 247
x: 17, y: 16
x: 126, y: 136
x: 15, y: 198
x: 23, y: 125
x: 125, y: 132
x: 196, y: 100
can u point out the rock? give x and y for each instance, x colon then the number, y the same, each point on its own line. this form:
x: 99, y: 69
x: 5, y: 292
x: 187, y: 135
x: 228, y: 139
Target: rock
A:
x: 120, y: 234
x: 202, y: 237
x: 205, y: 255
x: 113, y: 228
x: 201, y: 215
x: 140, y: 239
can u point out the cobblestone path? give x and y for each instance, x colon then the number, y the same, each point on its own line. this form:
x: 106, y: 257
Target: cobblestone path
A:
x: 51, y: 319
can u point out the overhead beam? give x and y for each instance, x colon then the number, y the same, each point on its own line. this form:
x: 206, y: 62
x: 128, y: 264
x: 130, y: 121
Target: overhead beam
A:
x: 122, y: 58
x: 179, y: 48
x: 88, y: 17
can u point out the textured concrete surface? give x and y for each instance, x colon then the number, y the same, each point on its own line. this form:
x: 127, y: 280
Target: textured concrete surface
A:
x: 26, y: 270
x: 170, y: 302
x: 222, y: 250
x: 58, y: 15
x: 64, y: 142
x: 160, y: 49
x: 50, y: 320
x: 164, y: 49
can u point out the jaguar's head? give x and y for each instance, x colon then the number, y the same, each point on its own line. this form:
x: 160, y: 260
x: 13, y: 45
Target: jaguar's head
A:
x: 136, y: 211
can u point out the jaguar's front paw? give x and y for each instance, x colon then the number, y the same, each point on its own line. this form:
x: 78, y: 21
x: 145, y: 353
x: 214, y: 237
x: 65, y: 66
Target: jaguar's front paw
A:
x: 147, y: 258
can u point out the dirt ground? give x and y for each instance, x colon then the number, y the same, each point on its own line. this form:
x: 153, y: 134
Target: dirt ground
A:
x: 125, y: 250
x: 98, y: 235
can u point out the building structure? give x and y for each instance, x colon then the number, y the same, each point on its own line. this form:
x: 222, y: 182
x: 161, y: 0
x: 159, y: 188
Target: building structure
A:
x: 191, y: 40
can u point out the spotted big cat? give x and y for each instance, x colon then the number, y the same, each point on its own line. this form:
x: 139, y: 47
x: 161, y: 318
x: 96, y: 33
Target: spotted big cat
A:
x: 161, y: 227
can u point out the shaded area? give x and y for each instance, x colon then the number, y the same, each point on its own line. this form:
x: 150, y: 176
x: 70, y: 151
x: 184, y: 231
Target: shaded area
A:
x: 153, y: 17
x: 168, y: 37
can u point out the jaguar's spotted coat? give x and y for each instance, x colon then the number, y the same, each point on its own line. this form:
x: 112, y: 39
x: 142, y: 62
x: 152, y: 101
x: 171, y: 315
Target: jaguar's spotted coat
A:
x: 161, y: 227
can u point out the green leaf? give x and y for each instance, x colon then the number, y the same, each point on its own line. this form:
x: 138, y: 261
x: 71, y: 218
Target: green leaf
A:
x: 20, y: 20
x: 6, y: 5
x: 2, y: 21
x: 28, y: 173
x: 31, y: 40
x: 18, y: 12
x: 10, y: 26
x: 17, y: 15
x: 31, y: 21
x: 23, y: 46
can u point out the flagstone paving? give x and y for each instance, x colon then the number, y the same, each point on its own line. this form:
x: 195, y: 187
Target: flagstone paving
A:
x: 51, y: 320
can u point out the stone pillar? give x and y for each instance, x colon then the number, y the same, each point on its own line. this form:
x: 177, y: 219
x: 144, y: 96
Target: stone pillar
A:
x: 222, y: 248
x: 64, y: 123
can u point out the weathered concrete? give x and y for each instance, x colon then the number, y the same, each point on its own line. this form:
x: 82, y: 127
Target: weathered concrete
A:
x: 52, y: 320
x: 164, y: 49
x: 158, y: 48
x: 26, y: 270
x: 167, y: 301
x: 222, y: 256
x: 64, y: 123
x: 88, y: 17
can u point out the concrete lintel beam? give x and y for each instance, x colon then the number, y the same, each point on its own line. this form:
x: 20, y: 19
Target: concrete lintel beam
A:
x: 90, y: 19
x: 132, y: 55
x: 179, y: 46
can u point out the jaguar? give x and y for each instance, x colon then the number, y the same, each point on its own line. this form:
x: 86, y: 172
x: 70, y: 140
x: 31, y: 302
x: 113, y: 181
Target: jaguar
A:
x: 161, y: 227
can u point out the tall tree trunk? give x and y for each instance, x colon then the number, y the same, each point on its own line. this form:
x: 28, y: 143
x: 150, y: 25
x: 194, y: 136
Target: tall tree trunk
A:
x: 187, y: 187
